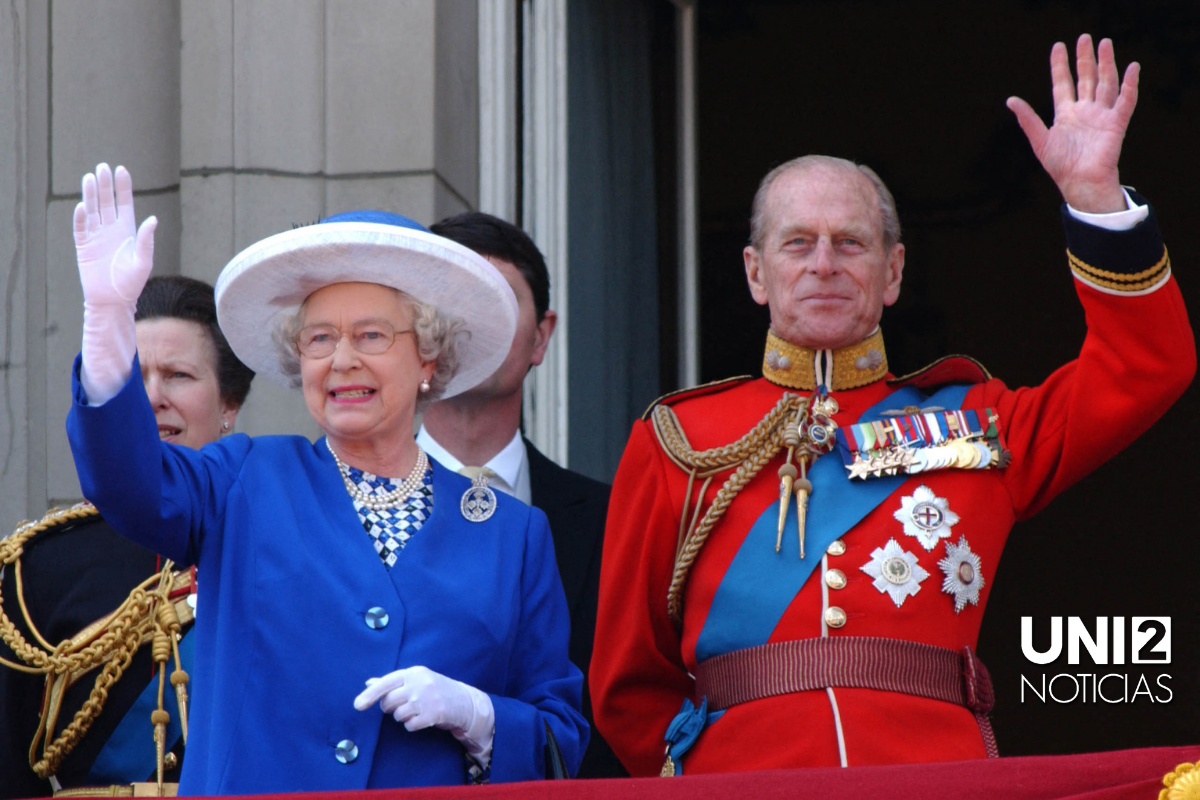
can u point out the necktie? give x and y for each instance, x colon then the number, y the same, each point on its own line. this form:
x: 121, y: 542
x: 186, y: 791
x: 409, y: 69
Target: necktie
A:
x: 494, y: 480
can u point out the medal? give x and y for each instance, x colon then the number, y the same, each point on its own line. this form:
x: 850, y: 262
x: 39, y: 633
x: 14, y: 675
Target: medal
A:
x: 479, y: 501
x: 964, y: 574
x: 926, y: 517
x: 896, y: 572
x: 922, y: 441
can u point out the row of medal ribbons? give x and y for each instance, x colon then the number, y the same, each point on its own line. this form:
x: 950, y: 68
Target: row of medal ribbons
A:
x: 921, y: 442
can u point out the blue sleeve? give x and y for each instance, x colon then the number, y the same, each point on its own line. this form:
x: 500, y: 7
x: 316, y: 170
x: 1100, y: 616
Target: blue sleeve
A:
x: 162, y: 496
x: 544, y: 687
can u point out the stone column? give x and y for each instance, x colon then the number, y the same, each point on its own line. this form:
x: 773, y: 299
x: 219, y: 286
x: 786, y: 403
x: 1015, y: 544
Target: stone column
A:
x: 15, y: 369
x: 113, y: 96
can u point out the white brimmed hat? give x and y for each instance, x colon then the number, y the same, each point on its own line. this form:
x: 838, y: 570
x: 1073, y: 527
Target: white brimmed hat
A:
x: 267, y: 282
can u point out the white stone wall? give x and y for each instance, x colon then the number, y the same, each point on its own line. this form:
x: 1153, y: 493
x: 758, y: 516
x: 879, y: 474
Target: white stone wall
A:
x: 237, y: 119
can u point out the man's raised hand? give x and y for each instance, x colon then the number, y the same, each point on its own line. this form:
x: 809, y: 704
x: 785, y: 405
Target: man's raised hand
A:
x: 1081, y: 149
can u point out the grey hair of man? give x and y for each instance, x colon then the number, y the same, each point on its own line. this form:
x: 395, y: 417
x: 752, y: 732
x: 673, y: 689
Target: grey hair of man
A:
x: 887, y: 204
x: 435, y: 333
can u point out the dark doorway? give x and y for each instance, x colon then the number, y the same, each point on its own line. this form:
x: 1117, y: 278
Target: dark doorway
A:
x: 916, y: 90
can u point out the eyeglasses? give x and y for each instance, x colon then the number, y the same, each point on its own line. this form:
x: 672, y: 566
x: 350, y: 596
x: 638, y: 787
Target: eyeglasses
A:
x: 368, y: 338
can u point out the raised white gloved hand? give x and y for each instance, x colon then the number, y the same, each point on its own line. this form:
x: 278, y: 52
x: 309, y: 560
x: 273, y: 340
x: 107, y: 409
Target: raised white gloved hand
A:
x: 115, y: 259
x: 421, y: 698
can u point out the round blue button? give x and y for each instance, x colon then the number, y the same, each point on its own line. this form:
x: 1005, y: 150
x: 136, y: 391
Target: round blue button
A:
x: 376, y: 618
x: 346, y: 751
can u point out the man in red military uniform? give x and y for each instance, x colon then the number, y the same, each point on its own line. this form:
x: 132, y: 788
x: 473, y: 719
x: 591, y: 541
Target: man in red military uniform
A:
x: 796, y: 566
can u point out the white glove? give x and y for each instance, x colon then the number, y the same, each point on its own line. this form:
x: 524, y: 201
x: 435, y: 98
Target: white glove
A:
x: 113, y: 267
x: 421, y: 698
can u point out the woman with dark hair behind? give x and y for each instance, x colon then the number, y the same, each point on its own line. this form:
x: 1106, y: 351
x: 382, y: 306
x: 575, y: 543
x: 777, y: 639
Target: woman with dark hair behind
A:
x: 178, y: 298
x: 70, y: 570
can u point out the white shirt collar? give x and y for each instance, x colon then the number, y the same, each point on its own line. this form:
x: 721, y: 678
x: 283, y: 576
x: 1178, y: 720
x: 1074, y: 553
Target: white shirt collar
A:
x: 511, y: 463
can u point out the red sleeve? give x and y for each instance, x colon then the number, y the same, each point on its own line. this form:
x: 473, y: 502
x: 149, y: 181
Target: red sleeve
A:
x: 638, y: 681
x: 1138, y: 357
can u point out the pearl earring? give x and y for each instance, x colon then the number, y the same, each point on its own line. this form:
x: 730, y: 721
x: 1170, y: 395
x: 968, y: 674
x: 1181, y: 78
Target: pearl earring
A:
x: 424, y: 386
x: 225, y: 425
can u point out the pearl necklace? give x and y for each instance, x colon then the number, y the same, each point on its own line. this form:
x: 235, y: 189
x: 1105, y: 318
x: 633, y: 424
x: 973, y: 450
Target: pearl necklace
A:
x: 381, y: 502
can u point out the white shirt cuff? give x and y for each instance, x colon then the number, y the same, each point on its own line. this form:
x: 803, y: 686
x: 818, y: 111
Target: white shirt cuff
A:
x: 1117, y: 220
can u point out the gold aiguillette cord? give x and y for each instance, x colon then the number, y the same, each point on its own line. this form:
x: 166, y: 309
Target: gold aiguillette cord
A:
x: 794, y: 480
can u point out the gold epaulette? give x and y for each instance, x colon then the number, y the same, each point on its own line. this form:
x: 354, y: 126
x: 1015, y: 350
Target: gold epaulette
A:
x: 694, y: 391
x: 13, y: 545
x: 155, y: 612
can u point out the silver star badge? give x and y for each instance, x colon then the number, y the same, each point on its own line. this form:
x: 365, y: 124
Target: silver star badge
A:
x: 926, y: 516
x: 896, y: 572
x: 964, y: 574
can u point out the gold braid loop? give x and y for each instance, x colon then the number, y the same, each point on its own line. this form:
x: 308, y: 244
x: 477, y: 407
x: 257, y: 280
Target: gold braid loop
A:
x: 109, y: 643
x: 12, y: 546
x: 715, y: 459
x: 749, y: 455
x: 58, y: 749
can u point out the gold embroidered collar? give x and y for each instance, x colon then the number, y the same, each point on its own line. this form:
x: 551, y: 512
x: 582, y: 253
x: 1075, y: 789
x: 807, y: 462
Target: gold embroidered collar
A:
x: 795, y: 367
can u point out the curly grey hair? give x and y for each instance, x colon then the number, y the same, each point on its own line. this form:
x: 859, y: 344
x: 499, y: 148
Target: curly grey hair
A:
x: 436, y: 335
x: 887, y: 204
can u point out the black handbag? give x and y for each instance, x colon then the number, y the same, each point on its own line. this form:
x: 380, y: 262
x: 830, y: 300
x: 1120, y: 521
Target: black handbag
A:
x: 556, y: 767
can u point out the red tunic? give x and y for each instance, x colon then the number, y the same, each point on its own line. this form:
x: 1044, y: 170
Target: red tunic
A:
x: 1137, y: 358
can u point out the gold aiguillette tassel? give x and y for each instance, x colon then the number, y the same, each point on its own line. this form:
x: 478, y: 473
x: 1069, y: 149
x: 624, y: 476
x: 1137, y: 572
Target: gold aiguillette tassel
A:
x: 160, y: 651
x: 160, y: 719
x: 169, y: 623
x: 179, y: 679
x: 787, y: 474
x: 803, y: 489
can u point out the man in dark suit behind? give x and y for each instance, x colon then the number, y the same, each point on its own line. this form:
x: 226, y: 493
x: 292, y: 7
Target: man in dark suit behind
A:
x: 481, y: 429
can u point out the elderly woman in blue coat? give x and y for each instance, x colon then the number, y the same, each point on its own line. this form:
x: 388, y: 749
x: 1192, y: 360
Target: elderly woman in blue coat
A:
x: 366, y: 618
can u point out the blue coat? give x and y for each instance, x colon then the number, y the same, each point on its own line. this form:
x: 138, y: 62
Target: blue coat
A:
x: 286, y: 576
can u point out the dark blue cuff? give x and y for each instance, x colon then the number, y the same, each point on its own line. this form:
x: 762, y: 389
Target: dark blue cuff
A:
x: 1120, y: 261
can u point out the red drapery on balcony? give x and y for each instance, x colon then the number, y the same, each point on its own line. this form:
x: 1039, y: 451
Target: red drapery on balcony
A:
x: 1119, y: 775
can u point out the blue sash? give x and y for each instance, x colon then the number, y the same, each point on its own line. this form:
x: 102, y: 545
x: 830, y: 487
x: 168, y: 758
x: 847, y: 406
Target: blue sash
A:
x: 760, y: 583
x: 129, y: 754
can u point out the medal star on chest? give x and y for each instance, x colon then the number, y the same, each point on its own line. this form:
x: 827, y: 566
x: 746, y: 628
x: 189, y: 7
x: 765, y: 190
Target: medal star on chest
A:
x: 964, y: 574
x: 896, y: 572
x: 926, y: 517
